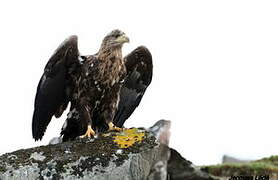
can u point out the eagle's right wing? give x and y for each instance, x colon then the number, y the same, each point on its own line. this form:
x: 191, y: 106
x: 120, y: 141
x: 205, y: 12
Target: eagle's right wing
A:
x: 139, y: 75
x: 55, y: 85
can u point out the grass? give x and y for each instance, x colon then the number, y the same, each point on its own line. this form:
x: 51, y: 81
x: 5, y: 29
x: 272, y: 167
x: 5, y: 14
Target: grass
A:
x: 265, y: 166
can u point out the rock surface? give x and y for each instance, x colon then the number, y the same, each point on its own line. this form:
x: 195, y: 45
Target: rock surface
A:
x: 134, y: 154
x: 182, y: 169
x: 100, y: 158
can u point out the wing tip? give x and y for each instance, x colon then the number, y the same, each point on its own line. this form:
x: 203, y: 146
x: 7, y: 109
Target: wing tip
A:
x: 37, y: 134
x: 37, y: 138
x: 38, y: 125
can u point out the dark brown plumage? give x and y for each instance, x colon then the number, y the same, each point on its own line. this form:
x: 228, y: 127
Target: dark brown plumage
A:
x: 104, y: 89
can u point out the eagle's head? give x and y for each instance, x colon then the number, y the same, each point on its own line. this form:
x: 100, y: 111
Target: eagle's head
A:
x: 114, y: 39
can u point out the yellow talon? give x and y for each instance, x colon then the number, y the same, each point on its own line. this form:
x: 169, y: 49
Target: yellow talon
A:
x: 112, y: 127
x: 90, y: 132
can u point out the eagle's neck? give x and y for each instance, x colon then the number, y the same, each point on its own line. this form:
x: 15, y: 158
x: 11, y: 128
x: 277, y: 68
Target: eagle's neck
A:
x: 112, y: 54
x: 111, y: 68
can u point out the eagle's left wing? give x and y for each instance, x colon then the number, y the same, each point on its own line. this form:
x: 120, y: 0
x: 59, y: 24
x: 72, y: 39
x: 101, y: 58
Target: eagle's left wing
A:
x: 52, y: 95
x: 139, y: 75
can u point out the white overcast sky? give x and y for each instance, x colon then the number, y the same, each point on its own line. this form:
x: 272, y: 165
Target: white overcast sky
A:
x: 215, y: 68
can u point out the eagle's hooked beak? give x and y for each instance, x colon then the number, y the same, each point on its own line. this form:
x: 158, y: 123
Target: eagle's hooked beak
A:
x: 122, y: 39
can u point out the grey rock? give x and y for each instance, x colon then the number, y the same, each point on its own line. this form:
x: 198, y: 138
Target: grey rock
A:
x: 95, y: 159
x: 161, y: 130
x: 101, y: 158
x: 182, y: 169
x: 55, y: 140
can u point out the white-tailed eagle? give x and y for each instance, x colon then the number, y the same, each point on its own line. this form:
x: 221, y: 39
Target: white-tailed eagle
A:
x: 103, y: 89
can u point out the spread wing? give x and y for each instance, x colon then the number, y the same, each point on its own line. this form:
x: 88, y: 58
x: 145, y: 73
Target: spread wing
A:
x: 139, y: 75
x: 53, y: 90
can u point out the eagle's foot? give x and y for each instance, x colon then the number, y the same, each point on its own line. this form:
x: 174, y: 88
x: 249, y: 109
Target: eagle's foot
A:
x: 112, y: 127
x: 90, y: 132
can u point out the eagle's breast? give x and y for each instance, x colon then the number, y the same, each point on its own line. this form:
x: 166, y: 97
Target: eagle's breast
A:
x: 112, y: 72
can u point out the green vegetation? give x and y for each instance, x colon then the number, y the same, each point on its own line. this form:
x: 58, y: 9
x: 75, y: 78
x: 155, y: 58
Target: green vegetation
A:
x: 265, y: 166
x: 273, y: 160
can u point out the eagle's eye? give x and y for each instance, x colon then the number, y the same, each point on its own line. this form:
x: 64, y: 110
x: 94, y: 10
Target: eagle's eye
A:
x: 117, y: 35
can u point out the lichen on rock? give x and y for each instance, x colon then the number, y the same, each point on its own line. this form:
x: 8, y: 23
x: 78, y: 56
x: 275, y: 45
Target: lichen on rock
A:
x: 134, y: 154
x: 128, y: 137
x: 105, y: 157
